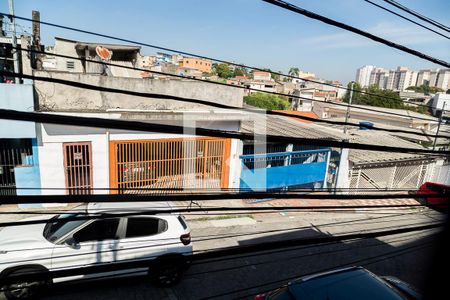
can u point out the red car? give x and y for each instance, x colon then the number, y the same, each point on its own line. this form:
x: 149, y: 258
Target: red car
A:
x: 442, y: 201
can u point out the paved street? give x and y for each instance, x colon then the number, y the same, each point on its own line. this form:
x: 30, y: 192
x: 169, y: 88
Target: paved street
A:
x: 405, y: 256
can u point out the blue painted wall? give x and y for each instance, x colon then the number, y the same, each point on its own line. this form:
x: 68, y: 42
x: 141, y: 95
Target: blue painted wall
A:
x: 17, y: 97
x: 28, y: 179
x: 283, y: 176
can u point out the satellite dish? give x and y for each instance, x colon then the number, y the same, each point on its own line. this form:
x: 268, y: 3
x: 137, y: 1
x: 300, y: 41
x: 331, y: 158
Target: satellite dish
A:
x: 103, y: 53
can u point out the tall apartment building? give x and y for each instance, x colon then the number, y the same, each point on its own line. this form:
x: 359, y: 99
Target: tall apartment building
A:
x: 378, y: 77
x: 433, y: 77
x: 399, y: 79
x: 404, y: 78
x: 443, y: 79
x: 363, y: 75
x: 423, y: 77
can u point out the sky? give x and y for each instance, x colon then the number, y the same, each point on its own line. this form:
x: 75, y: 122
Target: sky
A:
x: 253, y: 32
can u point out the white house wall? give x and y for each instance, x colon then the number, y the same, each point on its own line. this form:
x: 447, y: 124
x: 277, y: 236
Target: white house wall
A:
x: 51, y: 154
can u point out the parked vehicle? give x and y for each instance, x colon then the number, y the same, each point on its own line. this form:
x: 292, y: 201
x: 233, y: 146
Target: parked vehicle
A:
x: 440, y: 202
x: 162, y: 239
x: 345, y: 283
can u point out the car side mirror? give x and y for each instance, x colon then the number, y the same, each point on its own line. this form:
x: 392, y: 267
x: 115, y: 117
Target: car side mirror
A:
x: 72, y: 243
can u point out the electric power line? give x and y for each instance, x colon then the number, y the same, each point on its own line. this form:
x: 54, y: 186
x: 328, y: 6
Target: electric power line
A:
x: 289, y: 258
x: 191, y: 54
x: 376, y: 258
x: 102, y: 215
x: 175, y: 129
x: 309, y: 14
x: 408, y: 19
x: 203, y: 238
x: 416, y: 14
x: 223, y: 252
x: 233, y: 86
x: 164, y: 243
x: 71, y: 198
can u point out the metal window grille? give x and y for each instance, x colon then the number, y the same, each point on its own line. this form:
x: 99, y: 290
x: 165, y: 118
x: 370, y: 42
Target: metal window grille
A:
x: 13, y: 152
x: 177, y: 164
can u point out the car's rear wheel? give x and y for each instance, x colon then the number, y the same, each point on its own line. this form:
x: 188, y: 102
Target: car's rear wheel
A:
x: 26, y: 289
x: 167, y: 271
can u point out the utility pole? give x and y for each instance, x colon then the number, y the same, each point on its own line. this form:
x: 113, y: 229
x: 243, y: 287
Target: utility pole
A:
x: 439, y: 125
x: 347, y: 115
x: 342, y: 170
x: 14, y: 40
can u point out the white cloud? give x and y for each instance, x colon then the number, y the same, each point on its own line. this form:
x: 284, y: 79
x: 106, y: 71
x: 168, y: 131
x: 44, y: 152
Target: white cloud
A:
x: 404, y: 34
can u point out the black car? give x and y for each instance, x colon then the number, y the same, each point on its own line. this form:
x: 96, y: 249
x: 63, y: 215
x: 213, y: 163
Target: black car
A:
x: 340, y: 284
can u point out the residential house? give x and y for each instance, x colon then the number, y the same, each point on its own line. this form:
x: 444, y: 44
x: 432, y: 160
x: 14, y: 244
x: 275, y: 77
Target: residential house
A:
x: 200, y: 64
x: 19, y: 163
x: 123, y: 55
x: 440, y: 102
x: 262, y: 76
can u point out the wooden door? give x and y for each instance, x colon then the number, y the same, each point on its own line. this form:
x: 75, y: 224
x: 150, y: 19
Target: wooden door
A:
x: 78, y: 167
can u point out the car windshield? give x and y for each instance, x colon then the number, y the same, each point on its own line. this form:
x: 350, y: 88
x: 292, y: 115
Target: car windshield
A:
x: 58, y: 226
x: 355, y: 284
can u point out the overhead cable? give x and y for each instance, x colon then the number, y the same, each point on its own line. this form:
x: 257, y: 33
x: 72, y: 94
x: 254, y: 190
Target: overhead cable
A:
x: 420, y: 16
x: 408, y: 19
x: 49, y: 118
x: 188, y: 54
x: 223, y: 252
x: 99, y: 216
x: 372, y: 259
x: 112, y: 198
x: 230, y: 85
x: 309, y: 14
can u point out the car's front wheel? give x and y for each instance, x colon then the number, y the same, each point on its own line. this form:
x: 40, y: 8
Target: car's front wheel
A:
x: 23, y: 290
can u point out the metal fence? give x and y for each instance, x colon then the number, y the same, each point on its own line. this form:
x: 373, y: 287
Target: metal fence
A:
x: 398, y: 176
x: 13, y: 152
x: 285, y: 169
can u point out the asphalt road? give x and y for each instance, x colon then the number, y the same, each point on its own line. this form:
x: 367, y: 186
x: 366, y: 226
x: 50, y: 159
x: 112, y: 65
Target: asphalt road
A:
x: 406, y: 256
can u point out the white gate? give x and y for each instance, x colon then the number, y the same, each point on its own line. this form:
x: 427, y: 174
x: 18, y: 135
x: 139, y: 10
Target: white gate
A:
x: 442, y: 174
x: 398, y: 176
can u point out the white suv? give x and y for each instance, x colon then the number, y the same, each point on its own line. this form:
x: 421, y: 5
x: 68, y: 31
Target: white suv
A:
x: 57, y: 244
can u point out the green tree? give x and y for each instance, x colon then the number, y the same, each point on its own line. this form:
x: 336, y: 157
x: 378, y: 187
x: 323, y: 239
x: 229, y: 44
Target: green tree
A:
x: 356, y: 94
x: 294, y: 71
x: 267, y: 101
x: 239, y: 72
x: 223, y: 71
x: 425, y: 88
x: 374, y: 97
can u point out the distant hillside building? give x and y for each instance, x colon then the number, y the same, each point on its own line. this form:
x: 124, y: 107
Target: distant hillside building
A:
x: 203, y: 65
x: 402, y: 78
x: 263, y: 76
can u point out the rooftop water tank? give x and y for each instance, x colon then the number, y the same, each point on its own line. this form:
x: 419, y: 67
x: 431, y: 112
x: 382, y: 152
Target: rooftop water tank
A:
x: 365, y: 125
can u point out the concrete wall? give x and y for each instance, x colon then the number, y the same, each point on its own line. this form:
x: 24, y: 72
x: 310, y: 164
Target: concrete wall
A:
x: 58, y: 97
x: 66, y: 48
x: 17, y: 97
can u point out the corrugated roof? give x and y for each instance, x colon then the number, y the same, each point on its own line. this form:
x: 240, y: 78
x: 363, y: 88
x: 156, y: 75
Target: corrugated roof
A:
x: 286, y: 126
x: 357, y: 156
x: 308, y: 114
x: 277, y: 125
x: 382, y: 111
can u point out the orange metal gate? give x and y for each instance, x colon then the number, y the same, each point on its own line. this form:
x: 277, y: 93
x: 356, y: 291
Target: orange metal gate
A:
x: 169, y: 163
x: 78, y: 167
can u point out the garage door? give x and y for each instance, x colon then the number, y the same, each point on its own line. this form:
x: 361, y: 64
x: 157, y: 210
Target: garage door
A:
x: 143, y: 165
